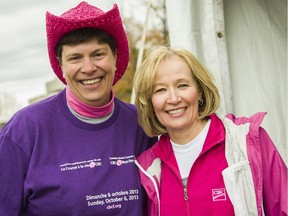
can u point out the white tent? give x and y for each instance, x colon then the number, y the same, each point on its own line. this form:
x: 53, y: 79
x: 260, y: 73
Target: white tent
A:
x: 244, y: 44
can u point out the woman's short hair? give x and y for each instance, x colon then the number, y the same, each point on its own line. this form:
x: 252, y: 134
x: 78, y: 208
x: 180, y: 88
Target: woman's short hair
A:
x: 82, y: 35
x: 144, y: 84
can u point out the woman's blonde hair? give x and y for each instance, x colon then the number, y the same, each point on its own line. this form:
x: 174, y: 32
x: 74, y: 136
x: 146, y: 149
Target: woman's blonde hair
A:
x: 144, y: 84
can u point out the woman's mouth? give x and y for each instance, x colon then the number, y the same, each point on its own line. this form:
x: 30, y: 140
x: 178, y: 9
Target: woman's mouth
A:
x: 91, y: 82
x: 175, y: 111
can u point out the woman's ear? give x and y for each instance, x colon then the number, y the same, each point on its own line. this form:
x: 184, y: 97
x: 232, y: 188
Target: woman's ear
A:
x: 199, y: 95
x: 59, y: 61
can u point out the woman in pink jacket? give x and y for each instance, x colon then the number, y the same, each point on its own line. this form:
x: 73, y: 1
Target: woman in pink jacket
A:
x: 204, y: 163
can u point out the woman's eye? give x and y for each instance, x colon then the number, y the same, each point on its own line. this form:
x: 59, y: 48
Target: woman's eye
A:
x: 98, y: 55
x: 159, y: 90
x: 183, y: 85
x: 74, y: 58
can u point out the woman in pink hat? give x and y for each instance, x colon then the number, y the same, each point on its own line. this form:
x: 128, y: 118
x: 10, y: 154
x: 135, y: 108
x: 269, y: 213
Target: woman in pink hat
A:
x: 204, y: 164
x: 73, y: 153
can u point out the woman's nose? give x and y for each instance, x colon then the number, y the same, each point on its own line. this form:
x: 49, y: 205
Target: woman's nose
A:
x: 173, y: 98
x: 88, y: 66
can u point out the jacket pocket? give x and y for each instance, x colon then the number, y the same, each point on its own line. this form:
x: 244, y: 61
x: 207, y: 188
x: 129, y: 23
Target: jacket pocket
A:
x: 240, y: 188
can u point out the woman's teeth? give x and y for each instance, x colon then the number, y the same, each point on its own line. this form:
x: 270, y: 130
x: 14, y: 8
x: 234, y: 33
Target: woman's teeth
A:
x: 90, y: 82
x: 176, y: 111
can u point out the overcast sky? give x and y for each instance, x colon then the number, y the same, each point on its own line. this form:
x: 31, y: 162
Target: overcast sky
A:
x: 24, y: 63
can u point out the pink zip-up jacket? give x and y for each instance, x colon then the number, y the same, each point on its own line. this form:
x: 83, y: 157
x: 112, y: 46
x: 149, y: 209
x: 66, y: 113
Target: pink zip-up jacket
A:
x: 238, y: 172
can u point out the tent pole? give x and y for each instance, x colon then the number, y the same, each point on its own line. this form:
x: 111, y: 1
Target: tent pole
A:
x: 141, y: 50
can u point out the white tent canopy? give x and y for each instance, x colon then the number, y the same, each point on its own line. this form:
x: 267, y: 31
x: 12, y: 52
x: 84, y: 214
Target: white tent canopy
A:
x: 244, y: 45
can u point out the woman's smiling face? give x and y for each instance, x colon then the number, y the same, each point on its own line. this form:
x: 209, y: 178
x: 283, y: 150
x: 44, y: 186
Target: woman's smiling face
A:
x: 89, y: 70
x: 175, y: 95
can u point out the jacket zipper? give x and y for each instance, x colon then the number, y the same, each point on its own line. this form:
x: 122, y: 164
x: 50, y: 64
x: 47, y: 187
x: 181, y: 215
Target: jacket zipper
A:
x: 186, y: 198
x: 185, y: 194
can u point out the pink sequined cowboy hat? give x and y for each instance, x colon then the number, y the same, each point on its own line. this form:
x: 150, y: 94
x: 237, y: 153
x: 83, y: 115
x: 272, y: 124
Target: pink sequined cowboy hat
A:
x: 85, y: 15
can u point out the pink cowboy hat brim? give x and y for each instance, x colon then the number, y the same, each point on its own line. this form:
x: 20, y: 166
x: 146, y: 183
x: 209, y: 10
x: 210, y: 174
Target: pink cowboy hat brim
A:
x: 85, y: 15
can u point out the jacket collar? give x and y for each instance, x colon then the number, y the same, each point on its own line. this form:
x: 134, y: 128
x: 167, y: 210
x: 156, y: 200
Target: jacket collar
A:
x: 216, y: 134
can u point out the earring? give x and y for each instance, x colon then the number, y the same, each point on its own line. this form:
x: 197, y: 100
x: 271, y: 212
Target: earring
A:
x: 200, y: 102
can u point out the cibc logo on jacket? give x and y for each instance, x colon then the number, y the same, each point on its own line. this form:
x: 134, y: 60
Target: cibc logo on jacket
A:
x: 218, y: 194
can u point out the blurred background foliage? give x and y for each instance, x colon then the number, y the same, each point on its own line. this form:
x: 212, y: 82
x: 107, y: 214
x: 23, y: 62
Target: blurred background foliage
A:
x: 156, y: 34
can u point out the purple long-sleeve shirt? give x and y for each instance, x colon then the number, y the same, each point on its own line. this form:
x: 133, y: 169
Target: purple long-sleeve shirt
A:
x: 51, y: 163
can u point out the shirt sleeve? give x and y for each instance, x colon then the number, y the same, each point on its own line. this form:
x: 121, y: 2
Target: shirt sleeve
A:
x: 274, y: 178
x: 13, y: 166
